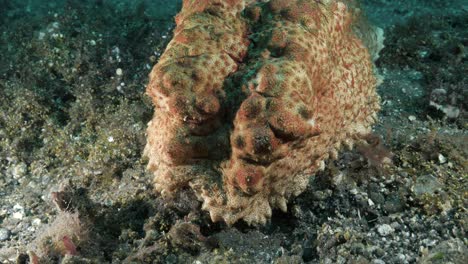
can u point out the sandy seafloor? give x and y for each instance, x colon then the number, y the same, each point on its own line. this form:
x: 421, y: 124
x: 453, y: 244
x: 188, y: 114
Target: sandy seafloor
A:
x: 73, y: 186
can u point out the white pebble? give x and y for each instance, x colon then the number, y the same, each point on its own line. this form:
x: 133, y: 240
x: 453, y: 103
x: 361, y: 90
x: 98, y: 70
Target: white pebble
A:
x: 110, y: 139
x: 20, y: 170
x: 36, y: 222
x: 119, y: 72
x: 385, y: 230
x: 18, y: 215
x: 442, y: 159
x: 412, y: 118
x: 18, y: 207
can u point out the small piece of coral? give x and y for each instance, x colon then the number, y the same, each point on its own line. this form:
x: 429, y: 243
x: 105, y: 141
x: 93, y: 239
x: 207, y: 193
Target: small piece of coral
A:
x: 253, y: 96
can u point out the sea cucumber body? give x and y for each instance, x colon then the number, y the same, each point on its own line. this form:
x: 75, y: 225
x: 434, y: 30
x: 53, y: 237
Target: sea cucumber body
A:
x: 252, y: 98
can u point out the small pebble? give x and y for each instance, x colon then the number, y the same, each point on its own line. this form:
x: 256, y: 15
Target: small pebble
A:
x: 385, y: 230
x: 36, y: 222
x: 18, y: 212
x: 18, y: 215
x: 119, y: 72
x: 442, y: 159
x: 4, y: 234
x: 19, y: 170
x: 411, y: 118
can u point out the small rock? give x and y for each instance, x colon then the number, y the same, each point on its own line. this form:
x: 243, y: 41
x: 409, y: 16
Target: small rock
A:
x: 19, y: 170
x: 36, y: 222
x: 119, y: 72
x: 385, y: 230
x: 394, y: 203
x: 378, y: 252
x: 338, y: 179
x: 4, y: 234
x: 395, y: 226
x: 378, y: 261
x: 18, y: 212
x: 412, y: 118
x: 426, y: 184
x: 442, y: 159
x: 18, y: 215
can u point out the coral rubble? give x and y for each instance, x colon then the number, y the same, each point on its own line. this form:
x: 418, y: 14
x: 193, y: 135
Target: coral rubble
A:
x: 253, y: 96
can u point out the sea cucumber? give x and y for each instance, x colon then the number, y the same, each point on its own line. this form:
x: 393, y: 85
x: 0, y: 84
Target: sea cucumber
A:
x: 251, y: 97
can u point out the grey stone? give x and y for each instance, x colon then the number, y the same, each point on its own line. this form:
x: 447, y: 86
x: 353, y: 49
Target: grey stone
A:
x: 426, y: 184
x: 4, y: 234
x: 385, y: 230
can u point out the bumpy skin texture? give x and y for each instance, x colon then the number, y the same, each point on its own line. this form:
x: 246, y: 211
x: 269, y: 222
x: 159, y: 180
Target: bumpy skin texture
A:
x: 252, y: 97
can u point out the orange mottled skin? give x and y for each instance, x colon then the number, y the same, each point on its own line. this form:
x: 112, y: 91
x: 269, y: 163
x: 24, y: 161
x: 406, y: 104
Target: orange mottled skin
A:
x: 252, y: 96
